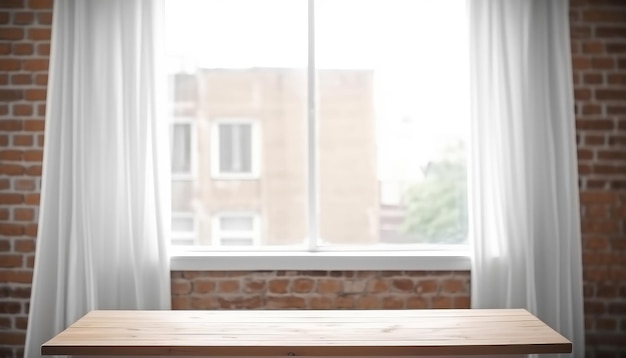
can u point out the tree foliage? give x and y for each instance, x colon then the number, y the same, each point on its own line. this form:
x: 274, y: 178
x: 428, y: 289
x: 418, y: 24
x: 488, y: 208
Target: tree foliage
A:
x: 437, y: 205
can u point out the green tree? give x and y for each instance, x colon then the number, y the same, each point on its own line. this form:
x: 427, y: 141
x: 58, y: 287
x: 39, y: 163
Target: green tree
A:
x: 437, y: 205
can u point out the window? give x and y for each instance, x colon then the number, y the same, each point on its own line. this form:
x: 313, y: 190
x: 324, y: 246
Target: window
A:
x: 235, y: 149
x: 183, y: 229
x: 343, y: 130
x: 182, y: 148
x: 236, y: 230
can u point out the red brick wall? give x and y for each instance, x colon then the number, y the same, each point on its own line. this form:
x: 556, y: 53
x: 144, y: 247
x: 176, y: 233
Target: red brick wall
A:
x: 599, y: 51
x: 24, y: 51
x: 598, y: 31
x: 320, y: 290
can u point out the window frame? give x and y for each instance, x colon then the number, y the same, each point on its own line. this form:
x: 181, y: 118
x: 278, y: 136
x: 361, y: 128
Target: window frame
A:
x: 255, y: 145
x: 311, y: 256
x: 217, y: 233
x: 193, y: 167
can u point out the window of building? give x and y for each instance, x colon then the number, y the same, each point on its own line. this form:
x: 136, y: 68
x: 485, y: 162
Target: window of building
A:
x: 236, y: 229
x: 183, y: 229
x: 182, y: 148
x: 350, y: 116
x: 235, y: 148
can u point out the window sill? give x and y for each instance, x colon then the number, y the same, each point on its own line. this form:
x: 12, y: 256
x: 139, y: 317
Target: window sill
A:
x: 327, y: 261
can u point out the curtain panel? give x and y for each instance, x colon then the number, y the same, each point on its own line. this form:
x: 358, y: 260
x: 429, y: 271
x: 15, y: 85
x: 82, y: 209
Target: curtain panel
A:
x: 104, y: 212
x: 523, y: 179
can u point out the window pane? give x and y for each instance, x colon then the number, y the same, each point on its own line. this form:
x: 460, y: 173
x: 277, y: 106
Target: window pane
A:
x: 245, y: 148
x: 182, y: 224
x: 393, y: 112
x: 181, y: 148
x: 227, y: 150
x: 235, y: 148
x: 236, y: 59
x: 236, y: 223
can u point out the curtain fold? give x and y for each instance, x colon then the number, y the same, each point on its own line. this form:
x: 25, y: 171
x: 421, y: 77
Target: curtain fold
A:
x: 523, y: 186
x: 104, y: 212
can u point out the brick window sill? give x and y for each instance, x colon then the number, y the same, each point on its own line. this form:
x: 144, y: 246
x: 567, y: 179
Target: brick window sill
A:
x: 435, y: 260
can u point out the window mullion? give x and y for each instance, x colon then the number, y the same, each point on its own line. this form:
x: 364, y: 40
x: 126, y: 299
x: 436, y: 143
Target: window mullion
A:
x: 312, y: 132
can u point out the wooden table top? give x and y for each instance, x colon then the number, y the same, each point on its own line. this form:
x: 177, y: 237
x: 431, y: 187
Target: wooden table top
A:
x: 308, y: 333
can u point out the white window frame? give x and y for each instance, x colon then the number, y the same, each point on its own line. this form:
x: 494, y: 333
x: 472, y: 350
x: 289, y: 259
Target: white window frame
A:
x: 427, y: 258
x: 255, y: 159
x: 185, y: 235
x: 217, y: 233
x: 192, y: 147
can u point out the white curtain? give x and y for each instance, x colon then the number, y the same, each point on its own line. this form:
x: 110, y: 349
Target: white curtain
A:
x: 525, y: 222
x: 104, y: 213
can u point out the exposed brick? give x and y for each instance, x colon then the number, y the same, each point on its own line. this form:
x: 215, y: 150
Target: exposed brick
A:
x: 23, y: 214
x: 10, y: 65
x: 600, y: 16
x: 16, y: 276
x: 10, y: 261
x: 8, y: 199
x: 35, y: 94
x: 593, y: 47
x: 403, y: 284
x: 38, y: 34
x: 36, y: 65
x: 23, y: 18
x: 288, y: 302
x: 367, y: 302
x: 11, y: 33
x: 40, y: 4
x: 616, y: 79
x: 452, y: 286
x: 34, y: 125
x: 22, y: 79
x: 602, y: 63
x: 416, y: 303
x: 343, y: 302
x: 442, y: 302
x: 31, y: 199
x: 616, y: 47
x: 44, y: 18
x: 323, y: 303
x: 241, y: 302
x: 5, y: 48
x: 9, y: 307
x: 463, y: 302
x: 278, y: 285
x: 33, y: 155
x: 229, y: 286
x: 11, y: 95
x: 392, y: 302
x: 611, y: 94
x: 11, y: 229
x: 203, y: 286
x: 41, y: 79
x: 302, y: 285
x: 7, y: 4
x: 254, y: 285
x: 426, y: 286
x: 611, y: 31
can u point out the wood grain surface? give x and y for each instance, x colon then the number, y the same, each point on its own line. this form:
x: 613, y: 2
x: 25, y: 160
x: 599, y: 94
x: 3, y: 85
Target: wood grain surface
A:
x: 308, y: 333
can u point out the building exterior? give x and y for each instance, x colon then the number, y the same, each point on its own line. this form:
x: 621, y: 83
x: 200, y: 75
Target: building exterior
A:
x: 239, y: 159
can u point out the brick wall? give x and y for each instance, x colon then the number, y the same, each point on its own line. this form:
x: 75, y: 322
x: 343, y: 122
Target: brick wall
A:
x: 320, y: 290
x: 24, y: 49
x: 598, y: 31
x: 599, y: 51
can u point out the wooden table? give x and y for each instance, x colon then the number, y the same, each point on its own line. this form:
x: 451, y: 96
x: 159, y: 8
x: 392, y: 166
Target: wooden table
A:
x: 308, y: 333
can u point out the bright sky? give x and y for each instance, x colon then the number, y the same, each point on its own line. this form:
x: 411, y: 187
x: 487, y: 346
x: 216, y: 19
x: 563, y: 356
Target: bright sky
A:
x: 418, y: 50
